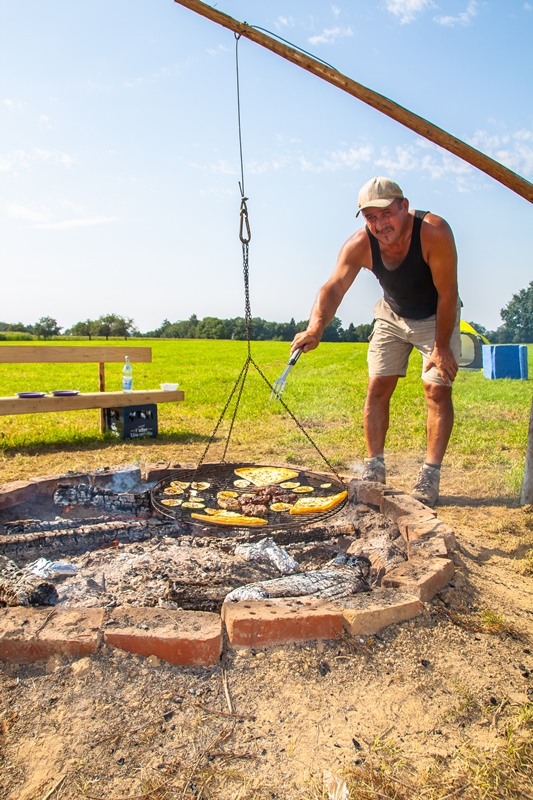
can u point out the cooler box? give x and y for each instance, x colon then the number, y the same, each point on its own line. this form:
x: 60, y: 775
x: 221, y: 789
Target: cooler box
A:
x: 505, y: 361
x: 132, y: 422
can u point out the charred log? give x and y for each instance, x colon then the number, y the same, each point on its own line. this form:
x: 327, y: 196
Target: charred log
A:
x: 341, y: 577
x: 82, y: 537
x: 21, y: 588
x: 138, y: 505
x: 21, y: 526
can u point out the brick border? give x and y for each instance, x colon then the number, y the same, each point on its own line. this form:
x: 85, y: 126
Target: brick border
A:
x: 195, y: 637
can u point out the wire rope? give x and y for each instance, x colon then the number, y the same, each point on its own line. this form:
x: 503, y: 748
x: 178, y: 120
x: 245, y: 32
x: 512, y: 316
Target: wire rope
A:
x: 245, y: 236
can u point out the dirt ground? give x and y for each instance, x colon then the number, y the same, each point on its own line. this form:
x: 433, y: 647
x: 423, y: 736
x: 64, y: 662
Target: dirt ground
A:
x: 427, y: 696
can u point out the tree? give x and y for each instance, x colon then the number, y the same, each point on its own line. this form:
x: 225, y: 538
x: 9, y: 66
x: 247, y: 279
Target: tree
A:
x: 357, y: 333
x: 236, y: 328
x: 184, y: 329
x: 16, y: 326
x: 124, y: 326
x: 261, y: 330
x: 212, y: 328
x: 46, y: 327
x: 114, y: 325
x: 518, y: 317
x: 479, y: 328
x: 86, y: 328
x: 333, y: 331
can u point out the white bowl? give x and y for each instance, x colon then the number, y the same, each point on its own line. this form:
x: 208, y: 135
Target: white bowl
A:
x: 169, y: 387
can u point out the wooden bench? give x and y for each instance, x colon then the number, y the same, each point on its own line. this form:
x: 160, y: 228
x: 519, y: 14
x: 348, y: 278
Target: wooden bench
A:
x: 69, y: 354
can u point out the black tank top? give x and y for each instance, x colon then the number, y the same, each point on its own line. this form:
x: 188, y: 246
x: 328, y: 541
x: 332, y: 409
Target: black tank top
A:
x: 408, y: 289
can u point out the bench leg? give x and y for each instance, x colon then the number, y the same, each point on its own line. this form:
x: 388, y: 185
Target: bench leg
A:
x: 101, y: 388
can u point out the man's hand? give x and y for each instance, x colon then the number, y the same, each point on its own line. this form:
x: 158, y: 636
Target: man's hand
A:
x: 444, y: 360
x: 306, y: 340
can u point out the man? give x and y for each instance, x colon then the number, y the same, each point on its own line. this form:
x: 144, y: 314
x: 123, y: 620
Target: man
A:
x: 413, y: 256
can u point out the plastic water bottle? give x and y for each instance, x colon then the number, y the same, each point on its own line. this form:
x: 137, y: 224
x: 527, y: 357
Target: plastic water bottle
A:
x: 127, y: 376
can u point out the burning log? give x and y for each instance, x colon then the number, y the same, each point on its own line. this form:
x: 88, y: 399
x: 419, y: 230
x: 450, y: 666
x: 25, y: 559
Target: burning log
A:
x: 138, y: 505
x: 21, y: 588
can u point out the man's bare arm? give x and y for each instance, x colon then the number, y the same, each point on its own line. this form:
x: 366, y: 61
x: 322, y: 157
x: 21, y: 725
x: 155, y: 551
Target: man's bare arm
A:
x: 441, y: 255
x: 349, y: 263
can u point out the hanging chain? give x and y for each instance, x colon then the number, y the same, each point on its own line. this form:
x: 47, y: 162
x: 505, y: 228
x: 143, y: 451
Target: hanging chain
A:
x: 245, y: 233
x: 245, y: 226
x: 245, y: 236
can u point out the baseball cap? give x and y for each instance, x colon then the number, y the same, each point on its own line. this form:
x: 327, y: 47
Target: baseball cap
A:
x: 378, y: 193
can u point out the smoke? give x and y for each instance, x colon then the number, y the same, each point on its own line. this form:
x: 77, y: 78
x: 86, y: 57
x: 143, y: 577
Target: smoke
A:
x: 126, y: 480
x: 356, y: 467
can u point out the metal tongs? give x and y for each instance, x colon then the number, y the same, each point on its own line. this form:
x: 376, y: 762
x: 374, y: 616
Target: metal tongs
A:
x: 278, y: 386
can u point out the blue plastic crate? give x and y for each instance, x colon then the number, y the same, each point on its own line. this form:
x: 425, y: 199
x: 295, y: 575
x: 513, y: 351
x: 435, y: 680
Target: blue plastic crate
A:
x: 505, y: 361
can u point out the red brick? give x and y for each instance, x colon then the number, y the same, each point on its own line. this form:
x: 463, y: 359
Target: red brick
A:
x: 174, y: 466
x: 421, y: 577
x: 368, y: 613
x: 180, y: 637
x: 408, y: 520
x: 395, y: 506
x: 46, y: 485
x: 259, y: 623
x: 371, y: 493
x: 428, y: 548
x: 414, y: 528
x: 449, y: 538
x: 35, y: 634
x: 15, y: 492
x: 156, y: 472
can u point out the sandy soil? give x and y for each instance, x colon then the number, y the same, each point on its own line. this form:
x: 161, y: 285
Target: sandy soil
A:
x: 121, y: 726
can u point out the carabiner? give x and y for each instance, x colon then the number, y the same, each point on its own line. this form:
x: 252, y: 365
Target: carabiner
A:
x: 245, y: 224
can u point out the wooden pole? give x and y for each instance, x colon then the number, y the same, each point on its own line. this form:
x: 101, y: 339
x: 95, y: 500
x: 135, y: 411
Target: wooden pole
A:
x: 526, y: 497
x: 417, y: 124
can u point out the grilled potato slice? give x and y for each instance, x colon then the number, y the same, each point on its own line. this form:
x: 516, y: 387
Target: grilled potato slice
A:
x: 314, y: 505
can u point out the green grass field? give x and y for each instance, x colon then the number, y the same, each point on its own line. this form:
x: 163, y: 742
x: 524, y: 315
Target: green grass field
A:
x: 325, y: 391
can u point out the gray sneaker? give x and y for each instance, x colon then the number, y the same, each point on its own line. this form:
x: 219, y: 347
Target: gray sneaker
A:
x: 374, y: 470
x: 427, y: 485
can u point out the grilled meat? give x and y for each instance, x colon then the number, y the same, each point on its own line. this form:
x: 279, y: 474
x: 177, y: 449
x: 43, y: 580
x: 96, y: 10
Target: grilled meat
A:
x: 255, y: 510
x: 229, y: 503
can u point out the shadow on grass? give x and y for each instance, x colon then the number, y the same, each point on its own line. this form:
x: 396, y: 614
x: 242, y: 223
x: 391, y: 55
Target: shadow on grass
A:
x: 485, y: 554
x: 94, y: 443
x: 505, y: 501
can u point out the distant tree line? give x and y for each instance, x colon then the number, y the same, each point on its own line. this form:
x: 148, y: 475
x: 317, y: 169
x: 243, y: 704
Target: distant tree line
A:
x: 517, y: 327
x: 45, y: 328
x: 262, y: 330
x: 114, y: 325
x: 108, y: 325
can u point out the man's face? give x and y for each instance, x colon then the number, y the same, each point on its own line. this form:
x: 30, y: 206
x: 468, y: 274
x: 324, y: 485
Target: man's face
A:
x: 387, y: 223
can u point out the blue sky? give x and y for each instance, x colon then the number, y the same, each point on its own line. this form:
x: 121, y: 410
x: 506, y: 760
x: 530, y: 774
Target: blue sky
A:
x: 119, y: 161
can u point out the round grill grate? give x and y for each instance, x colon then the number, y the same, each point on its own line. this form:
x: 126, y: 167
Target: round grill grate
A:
x: 221, y: 477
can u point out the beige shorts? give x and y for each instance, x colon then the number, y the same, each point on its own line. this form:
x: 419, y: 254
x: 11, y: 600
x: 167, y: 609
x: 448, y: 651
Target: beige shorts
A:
x: 394, y: 337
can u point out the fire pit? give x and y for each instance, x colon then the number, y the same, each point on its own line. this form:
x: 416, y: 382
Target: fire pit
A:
x: 125, y: 549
